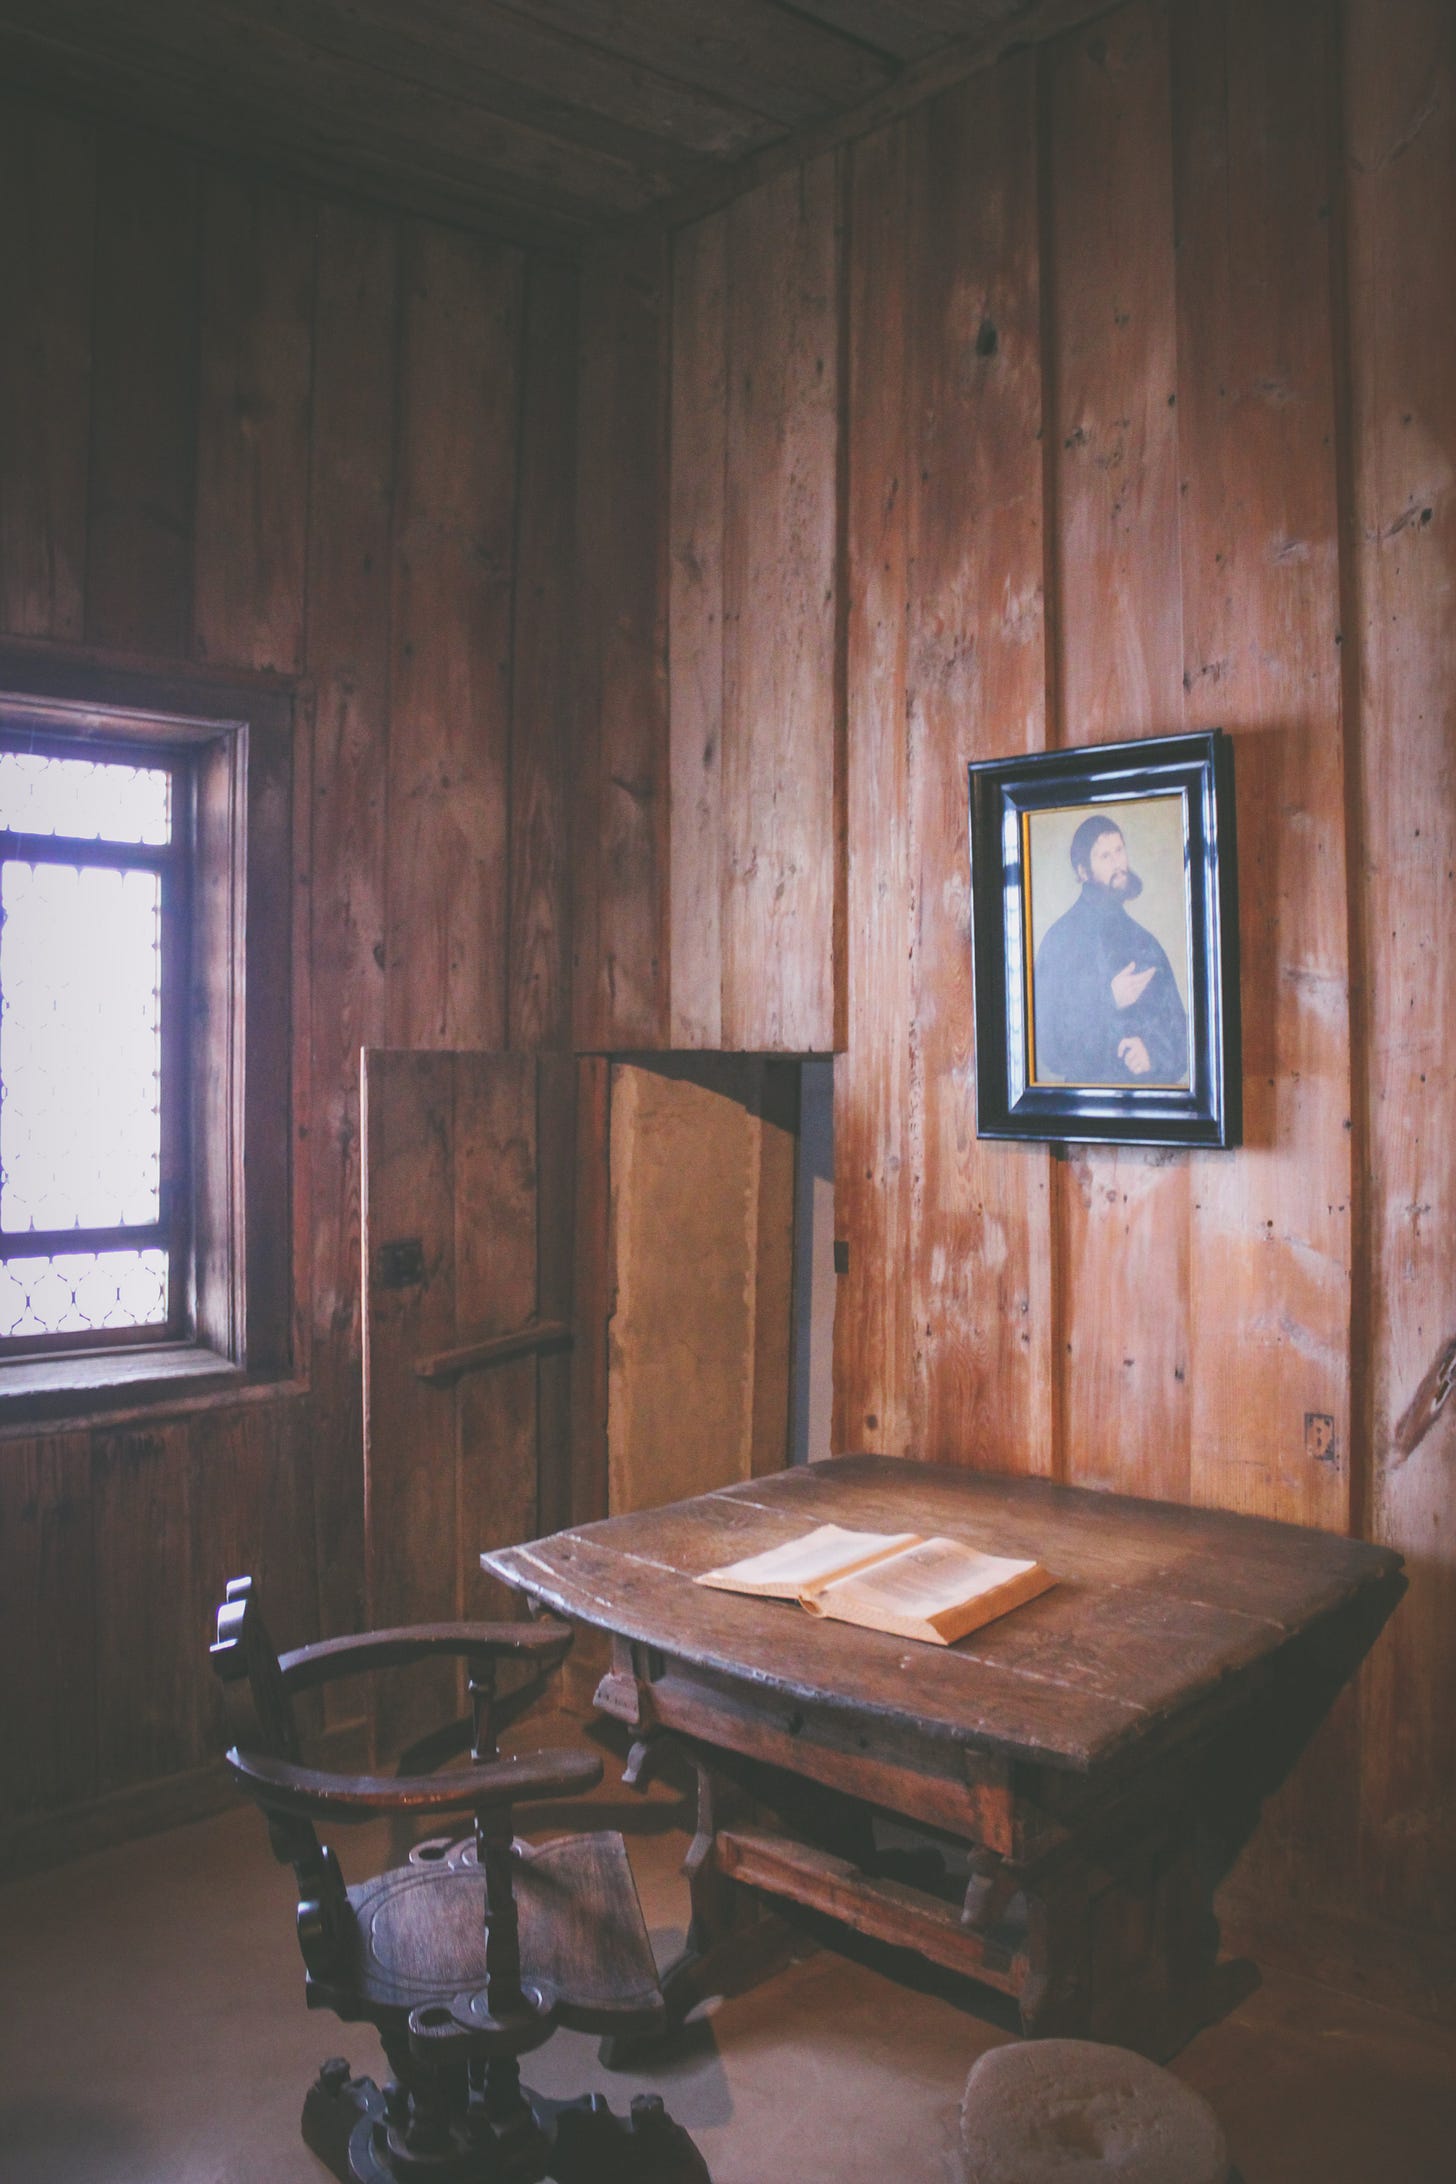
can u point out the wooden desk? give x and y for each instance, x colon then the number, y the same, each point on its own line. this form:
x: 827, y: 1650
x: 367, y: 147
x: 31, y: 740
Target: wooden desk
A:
x: 1085, y: 1770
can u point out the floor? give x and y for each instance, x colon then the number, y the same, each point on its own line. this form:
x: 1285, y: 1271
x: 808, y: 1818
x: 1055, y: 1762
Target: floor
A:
x: 154, y: 2033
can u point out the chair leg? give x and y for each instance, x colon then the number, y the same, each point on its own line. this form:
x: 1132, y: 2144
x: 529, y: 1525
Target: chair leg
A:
x: 334, y: 2107
x: 592, y: 2146
x: 414, y: 2133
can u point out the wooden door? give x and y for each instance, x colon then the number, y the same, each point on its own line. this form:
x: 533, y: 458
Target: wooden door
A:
x: 468, y: 1164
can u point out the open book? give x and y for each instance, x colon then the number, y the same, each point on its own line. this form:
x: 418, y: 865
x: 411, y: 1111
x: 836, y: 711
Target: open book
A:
x: 892, y: 1581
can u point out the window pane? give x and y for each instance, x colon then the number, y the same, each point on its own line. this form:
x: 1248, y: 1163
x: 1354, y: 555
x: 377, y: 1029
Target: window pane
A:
x: 79, y: 1291
x: 93, y: 799
x: 80, y: 1047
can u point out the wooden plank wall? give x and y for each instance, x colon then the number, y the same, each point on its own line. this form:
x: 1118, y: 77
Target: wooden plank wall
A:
x: 1145, y: 393
x: 242, y: 428
x: 708, y: 827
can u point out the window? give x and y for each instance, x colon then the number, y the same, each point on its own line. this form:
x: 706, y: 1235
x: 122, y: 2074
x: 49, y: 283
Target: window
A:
x: 95, y: 1201
x: 145, y: 1040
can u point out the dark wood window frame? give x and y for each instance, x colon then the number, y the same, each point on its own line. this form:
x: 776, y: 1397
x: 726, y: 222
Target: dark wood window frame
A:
x: 234, y: 1314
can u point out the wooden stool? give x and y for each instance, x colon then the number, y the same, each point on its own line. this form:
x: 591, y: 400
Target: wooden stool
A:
x: 1076, y: 2112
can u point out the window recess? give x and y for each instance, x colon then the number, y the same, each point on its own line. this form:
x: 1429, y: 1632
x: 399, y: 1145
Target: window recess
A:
x: 95, y: 1188
x: 145, y: 1029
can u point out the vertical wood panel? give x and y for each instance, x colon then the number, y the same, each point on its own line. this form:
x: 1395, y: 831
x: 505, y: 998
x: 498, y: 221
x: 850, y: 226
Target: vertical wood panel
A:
x: 252, y: 1514
x: 1271, y: 1239
x: 150, y: 1713
x: 253, y: 424
x: 410, y: 1468
x: 702, y: 1215
x: 48, y: 1630
x: 557, y: 1082
x: 780, y: 863
x: 47, y: 222
x: 591, y: 1293
x: 621, y: 822
x: 451, y: 1164
x: 496, y: 1177
x: 872, y: 1197
x: 144, y: 399
x: 538, y: 1005
x: 979, y: 1276
x: 350, y: 490
x: 451, y: 634
x: 1123, y: 1215
x: 771, y: 1335
x: 292, y: 514
x: 695, y: 650
x: 1401, y: 167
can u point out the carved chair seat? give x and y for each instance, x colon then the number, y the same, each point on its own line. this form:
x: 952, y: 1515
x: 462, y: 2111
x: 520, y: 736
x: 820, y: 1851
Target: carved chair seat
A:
x: 471, y: 1953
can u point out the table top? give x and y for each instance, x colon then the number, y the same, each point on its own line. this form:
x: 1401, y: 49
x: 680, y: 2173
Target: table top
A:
x: 1156, y: 1606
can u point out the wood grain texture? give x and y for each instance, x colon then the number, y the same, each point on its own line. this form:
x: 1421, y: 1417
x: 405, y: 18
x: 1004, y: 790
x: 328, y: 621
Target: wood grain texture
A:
x: 291, y: 462
x: 780, y: 868
x: 497, y: 1289
x: 451, y: 1167
x: 48, y: 1632
x: 559, y: 1095
x: 619, y: 992
x: 144, y: 398
x: 347, y: 656
x: 47, y: 229
x: 1400, y: 120
x: 538, y: 997
x: 695, y: 630
x: 702, y: 1209
x: 1271, y: 1234
x: 150, y: 1708
x: 980, y: 1274
x: 255, y: 379
x: 772, y: 1331
x: 410, y: 1469
x: 1150, y: 1615
x: 454, y: 531
x: 872, y: 1198
x: 587, y: 1483
x: 1122, y: 1216
x: 755, y: 55
x: 253, y: 1515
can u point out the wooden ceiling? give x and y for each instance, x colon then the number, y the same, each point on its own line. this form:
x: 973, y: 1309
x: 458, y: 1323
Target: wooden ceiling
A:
x: 542, y: 120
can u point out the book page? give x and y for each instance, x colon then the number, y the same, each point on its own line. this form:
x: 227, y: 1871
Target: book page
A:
x: 929, y: 1577
x: 803, y: 1566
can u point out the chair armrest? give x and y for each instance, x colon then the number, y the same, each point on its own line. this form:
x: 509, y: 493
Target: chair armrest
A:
x: 541, y: 1644
x: 280, y: 1786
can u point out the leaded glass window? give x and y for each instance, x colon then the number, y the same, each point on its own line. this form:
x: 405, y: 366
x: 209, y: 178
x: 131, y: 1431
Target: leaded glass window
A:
x: 94, y: 1201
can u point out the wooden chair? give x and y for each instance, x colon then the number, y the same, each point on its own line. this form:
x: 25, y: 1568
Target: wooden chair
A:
x: 471, y: 1953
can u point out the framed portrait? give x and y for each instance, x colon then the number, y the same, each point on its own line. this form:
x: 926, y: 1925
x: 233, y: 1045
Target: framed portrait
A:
x: 1104, y: 925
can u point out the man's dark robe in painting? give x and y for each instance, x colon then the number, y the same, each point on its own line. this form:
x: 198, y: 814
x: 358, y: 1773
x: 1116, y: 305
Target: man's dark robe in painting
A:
x: 1078, y: 1025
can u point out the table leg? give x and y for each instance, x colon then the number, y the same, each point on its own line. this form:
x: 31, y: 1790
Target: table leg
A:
x: 1128, y: 1953
x: 734, y: 1939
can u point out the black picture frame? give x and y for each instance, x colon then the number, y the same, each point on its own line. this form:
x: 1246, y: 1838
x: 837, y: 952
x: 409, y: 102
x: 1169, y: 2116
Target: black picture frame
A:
x: 1054, y: 1059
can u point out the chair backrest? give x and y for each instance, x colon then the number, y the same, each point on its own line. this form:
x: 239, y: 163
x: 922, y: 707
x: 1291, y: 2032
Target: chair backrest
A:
x: 243, y: 1648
